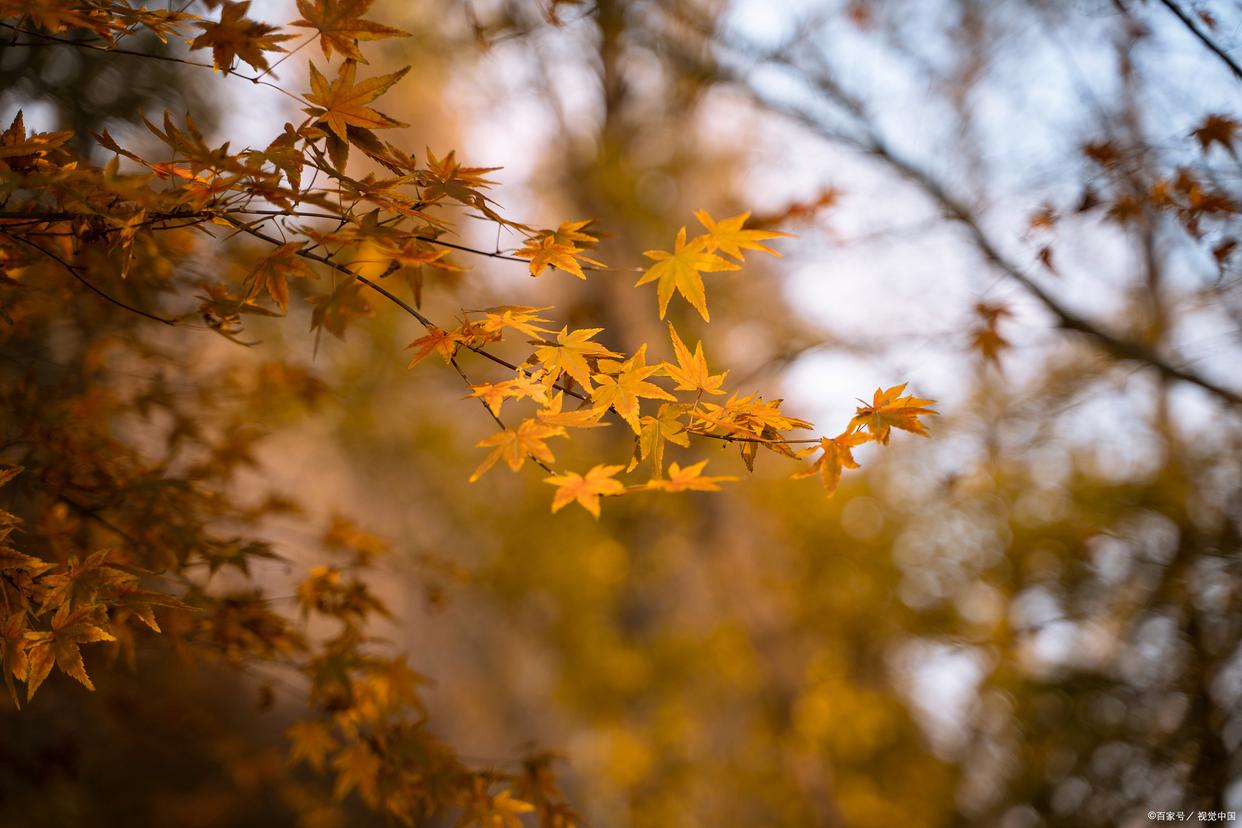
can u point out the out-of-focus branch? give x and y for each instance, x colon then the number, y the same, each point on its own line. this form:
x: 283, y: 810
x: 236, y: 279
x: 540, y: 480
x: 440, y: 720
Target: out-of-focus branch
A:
x: 1203, y: 38
x: 859, y: 135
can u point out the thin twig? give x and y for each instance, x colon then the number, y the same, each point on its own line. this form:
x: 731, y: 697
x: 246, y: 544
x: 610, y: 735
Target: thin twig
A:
x: 73, y: 270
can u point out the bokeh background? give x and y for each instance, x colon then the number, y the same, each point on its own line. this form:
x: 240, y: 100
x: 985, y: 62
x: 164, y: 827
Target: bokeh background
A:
x: 1031, y: 618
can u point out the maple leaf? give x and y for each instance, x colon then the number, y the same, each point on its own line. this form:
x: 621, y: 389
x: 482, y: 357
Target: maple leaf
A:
x: 310, y: 740
x: 729, y: 238
x: 679, y: 271
x: 493, y: 394
x: 665, y: 427
x: 515, y: 445
x: 445, y: 177
x: 1216, y: 129
x: 838, y: 455
x: 689, y: 479
x: 582, y: 418
x: 746, y: 415
x: 271, y: 274
x: 357, y: 766
x: 436, y: 341
x: 518, y: 317
x: 889, y: 410
x: 61, y: 646
x: 570, y: 354
x: 623, y: 391
x: 341, y: 103
x: 570, y: 232
x: 546, y: 250
x: 334, y: 310
x: 585, y: 489
x: 690, y: 373
x: 341, y: 26
x: 235, y: 36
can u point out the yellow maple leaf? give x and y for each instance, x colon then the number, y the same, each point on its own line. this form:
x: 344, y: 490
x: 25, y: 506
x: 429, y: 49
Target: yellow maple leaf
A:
x: 341, y: 102
x: 889, y: 410
x: 585, y: 489
x: 729, y: 238
x: 690, y: 373
x: 665, y: 427
x: 518, y: 317
x: 688, y: 479
x: 838, y: 455
x: 548, y: 250
x: 581, y: 418
x: 341, y: 26
x: 515, y: 445
x: 570, y: 354
x: 679, y: 271
x: 623, y: 391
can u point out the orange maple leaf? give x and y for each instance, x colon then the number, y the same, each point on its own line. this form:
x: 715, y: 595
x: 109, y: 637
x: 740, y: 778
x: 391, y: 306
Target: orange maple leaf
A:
x: 341, y: 103
x: 437, y: 341
x: 889, y: 410
x: 585, y: 489
x: 838, y: 455
x: 236, y: 36
x: 341, y: 26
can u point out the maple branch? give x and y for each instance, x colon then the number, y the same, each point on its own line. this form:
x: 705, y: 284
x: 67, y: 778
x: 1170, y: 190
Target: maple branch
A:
x: 1203, y: 38
x: 428, y: 324
x: 74, y: 271
x: 399, y: 302
x: 869, y: 143
x: 95, y: 47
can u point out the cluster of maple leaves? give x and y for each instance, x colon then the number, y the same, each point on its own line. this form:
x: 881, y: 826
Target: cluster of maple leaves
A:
x: 102, y: 224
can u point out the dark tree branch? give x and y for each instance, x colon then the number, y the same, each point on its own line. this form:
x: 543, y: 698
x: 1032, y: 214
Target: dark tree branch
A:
x: 1203, y: 38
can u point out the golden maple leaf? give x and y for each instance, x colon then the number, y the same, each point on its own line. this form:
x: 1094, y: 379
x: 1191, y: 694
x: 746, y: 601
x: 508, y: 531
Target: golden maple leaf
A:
x: 585, y: 489
x: 341, y: 26
x: 688, y: 479
x: 729, y: 238
x: 341, y: 102
x: 665, y: 427
x: 838, y: 455
x: 547, y: 250
x: 581, y: 418
x: 690, y: 373
x: 437, y: 341
x: 571, y: 352
x: 679, y: 271
x: 518, y: 317
x: 623, y: 391
x: 889, y: 410
x: 515, y: 445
